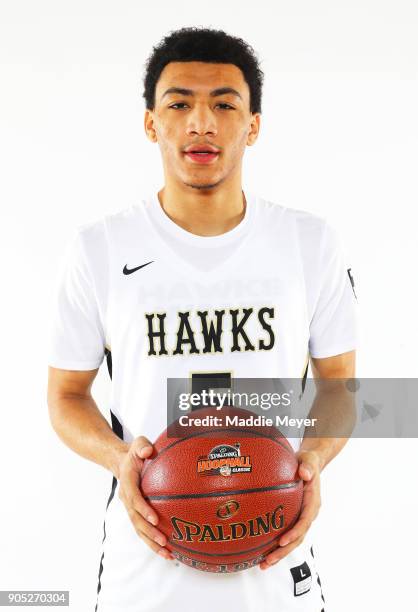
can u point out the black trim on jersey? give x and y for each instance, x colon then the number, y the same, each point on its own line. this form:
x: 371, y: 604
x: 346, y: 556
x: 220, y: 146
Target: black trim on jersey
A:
x: 318, y: 581
x: 108, y: 355
x: 304, y: 377
x: 350, y: 276
x: 118, y: 430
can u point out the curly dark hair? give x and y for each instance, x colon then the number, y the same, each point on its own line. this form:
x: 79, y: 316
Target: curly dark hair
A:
x: 199, y: 44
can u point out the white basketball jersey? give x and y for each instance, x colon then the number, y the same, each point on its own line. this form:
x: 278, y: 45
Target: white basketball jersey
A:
x: 162, y: 303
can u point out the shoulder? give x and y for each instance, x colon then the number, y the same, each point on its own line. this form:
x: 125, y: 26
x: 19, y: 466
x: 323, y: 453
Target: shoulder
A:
x: 97, y: 233
x: 309, y: 227
x: 91, y: 240
x: 98, y: 228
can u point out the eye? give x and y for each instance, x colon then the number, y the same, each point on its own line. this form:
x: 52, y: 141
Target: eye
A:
x: 177, y: 104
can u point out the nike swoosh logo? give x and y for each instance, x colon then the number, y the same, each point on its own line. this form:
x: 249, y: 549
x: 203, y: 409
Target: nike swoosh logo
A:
x: 126, y: 270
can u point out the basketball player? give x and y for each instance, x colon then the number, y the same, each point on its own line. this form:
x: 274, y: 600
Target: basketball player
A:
x: 173, y: 286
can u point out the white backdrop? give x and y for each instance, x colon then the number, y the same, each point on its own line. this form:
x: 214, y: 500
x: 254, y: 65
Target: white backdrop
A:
x: 339, y: 138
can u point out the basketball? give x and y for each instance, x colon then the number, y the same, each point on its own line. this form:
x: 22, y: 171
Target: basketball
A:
x: 224, y: 495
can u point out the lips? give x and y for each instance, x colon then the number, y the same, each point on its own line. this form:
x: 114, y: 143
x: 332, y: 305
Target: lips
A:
x: 201, y: 148
x: 202, y: 154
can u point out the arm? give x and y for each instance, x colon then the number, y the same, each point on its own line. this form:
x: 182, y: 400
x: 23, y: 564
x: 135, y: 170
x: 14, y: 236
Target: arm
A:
x: 80, y: 425
x: 316, y: 452
x: 77, y: 420
x: 336, y: 401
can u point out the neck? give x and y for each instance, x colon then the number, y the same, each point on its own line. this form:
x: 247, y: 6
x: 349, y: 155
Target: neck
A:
x: 204, y: 212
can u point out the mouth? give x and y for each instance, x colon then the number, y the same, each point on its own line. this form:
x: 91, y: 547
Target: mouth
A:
x: 202, y: 156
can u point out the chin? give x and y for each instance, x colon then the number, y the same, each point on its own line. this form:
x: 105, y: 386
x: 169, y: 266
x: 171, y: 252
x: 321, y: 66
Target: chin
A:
x: 203, y: 186
x: 209, y: 182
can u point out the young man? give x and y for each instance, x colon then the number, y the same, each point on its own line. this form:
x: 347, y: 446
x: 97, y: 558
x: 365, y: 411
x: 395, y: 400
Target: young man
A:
x: 143, y: 287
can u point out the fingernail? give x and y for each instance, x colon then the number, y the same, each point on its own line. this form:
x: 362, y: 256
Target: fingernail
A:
x: 160, y: 540
x: 152, y: 519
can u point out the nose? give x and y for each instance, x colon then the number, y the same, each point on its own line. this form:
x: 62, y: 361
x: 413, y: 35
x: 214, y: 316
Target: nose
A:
x: 201, y: 120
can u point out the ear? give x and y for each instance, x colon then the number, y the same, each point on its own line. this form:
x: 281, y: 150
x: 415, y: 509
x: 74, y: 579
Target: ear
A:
x: 254, y: 128
x: 149, y: 125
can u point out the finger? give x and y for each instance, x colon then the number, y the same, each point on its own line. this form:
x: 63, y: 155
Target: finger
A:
x: 160, y: 550
x: 142, y: 446
x: 131, y: 491
x: 297, y: 531
x: 131, y: 496
x: 279, y: 553
x: 309, y: 459
x: 144, y: 527
x: 146, y: 451
x: 309, y: 511
x: 305, y: 471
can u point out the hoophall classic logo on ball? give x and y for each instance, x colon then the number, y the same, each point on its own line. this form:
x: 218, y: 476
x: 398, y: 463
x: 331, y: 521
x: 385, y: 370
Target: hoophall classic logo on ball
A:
x: 225, y: 459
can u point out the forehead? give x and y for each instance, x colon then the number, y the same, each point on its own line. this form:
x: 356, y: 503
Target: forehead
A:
x: 201, y: 77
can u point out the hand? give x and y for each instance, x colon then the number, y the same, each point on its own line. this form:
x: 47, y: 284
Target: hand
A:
x: 309, y: 470
x: 142, y: 515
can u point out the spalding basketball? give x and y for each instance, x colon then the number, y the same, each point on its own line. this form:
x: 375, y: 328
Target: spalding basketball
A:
x: 224, y: 496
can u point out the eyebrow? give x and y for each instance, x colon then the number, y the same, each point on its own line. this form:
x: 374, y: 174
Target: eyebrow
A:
x: 221, y: 91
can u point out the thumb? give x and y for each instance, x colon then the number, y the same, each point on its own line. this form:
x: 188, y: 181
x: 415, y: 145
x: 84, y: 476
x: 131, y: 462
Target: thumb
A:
x: 305, y: 470
x: 142, y: 447
x: 306, y: 464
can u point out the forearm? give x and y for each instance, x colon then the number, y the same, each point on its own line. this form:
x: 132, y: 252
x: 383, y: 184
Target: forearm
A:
x: 334, y: 411
x: 80, y: 425
x: 326, y: 448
